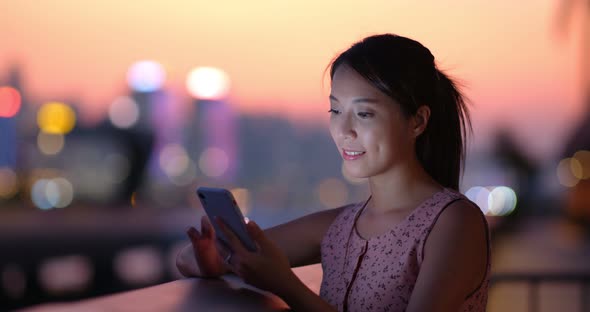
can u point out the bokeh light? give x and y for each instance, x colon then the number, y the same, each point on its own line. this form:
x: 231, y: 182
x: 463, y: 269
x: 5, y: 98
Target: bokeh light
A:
x: 332, y: 193
x: 139, y: 265
x: 174, y: 159
x: 213, y: 162
x: 479, y: 195
x: 583, y: 158
x: 501, y: 201
x: 10, y: 102
x: 176, y: 164
x: 124, y: 112
x: 8, y: 182
x: 493, y: 200
x: 118, y: 167
x: 208, y: 83
x: 565, y: 172
x: 52, y: 193
x: 68, y: 274
x: 56, y: 118
x: 146, y: 76
x: 242, y: 197
x: 50, y: 143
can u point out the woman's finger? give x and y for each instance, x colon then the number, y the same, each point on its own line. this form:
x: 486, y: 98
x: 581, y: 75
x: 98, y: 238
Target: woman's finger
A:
x: 235, y: 245
x: 206, y: 228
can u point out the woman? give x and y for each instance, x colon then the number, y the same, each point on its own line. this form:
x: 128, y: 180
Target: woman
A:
x: 416, y: 244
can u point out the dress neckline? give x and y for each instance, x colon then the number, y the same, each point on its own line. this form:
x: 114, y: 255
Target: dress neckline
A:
x: 395, y: 226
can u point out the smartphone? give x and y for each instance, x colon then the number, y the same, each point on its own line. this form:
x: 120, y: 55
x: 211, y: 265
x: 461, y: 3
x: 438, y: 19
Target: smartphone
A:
x: 219, y: 202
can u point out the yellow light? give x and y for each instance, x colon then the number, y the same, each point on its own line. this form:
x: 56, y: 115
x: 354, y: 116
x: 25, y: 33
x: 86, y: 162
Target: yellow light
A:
x: 56, y: 118
x: 332, y: 193
x: 50, y: 143
x: 8, y: 182
x: 565, y: 175
x: 583, y: 157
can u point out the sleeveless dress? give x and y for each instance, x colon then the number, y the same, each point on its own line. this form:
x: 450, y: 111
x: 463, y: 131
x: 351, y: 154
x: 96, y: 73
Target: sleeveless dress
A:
x: 379, y: 274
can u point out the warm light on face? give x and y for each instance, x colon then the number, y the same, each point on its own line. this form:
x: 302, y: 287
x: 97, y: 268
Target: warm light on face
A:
x: 207, y: 83
x: 146, y: 76
x: 56, y: 118
x: 10, y: 102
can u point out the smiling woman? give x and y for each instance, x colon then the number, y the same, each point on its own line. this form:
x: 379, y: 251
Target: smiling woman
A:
x: 399, y: 122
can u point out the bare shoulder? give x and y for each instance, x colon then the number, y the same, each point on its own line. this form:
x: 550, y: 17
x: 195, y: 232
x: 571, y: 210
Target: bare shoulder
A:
x: 460, y: 215
x: 455, y: 259
x: 459, y: 239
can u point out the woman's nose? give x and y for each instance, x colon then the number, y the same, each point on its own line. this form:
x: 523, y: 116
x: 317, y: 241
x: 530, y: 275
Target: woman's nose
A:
x: 346, y: 129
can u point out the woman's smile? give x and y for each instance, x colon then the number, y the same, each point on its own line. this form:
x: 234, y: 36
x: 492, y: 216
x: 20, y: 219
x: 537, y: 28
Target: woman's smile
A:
x: 351, y: 154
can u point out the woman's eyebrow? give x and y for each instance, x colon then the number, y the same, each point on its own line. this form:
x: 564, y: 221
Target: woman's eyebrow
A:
x: 357, y: 100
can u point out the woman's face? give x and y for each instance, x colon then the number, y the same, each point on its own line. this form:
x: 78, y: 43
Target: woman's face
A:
x: 368, y: 127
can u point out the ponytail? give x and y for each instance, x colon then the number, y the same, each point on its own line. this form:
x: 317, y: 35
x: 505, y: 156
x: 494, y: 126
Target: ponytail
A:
x: 441, y: 147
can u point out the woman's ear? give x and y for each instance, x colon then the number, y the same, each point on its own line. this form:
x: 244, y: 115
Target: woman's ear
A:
x: 420, y: 120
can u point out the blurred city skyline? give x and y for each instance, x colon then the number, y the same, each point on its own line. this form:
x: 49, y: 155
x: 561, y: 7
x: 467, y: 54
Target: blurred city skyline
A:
x: 518, y: 73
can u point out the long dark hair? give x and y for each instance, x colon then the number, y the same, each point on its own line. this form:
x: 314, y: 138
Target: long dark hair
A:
x: 405, y: 70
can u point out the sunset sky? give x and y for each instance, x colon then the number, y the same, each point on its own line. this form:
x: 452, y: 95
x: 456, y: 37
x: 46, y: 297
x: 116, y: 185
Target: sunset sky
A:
x: 516, y: 70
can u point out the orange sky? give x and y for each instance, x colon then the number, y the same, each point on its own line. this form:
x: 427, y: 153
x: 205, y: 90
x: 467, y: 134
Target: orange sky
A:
x: 275, y: 51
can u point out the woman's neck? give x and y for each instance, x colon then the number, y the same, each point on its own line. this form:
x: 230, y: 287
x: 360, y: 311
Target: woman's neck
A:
x: 401, y: 188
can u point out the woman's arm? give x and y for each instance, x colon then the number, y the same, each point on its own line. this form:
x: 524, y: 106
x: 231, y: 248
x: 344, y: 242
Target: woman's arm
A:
x: 455, y: 260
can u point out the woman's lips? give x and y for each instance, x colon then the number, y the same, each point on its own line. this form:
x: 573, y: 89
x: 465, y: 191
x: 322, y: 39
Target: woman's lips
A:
x: 352, y: 155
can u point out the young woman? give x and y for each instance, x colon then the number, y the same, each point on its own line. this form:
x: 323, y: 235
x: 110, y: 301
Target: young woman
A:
x: 416, y: 244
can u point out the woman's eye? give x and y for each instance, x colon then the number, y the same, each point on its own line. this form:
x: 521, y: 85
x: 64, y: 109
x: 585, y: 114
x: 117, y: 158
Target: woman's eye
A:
x: 333, y: 111
x: 365, y: 115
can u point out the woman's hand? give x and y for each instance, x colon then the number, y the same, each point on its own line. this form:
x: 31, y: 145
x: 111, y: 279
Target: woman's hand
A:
x: 203, y: 256
x: 267, y: 268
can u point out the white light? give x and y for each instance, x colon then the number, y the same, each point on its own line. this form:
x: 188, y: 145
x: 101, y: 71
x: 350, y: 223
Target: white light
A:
x: 480, y: 196
x: 39, y: 195
x: 207, y: 83
x: 502, y: 201
x: 60, y: 192
x: 146, y: 76
x: 124, y: 112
